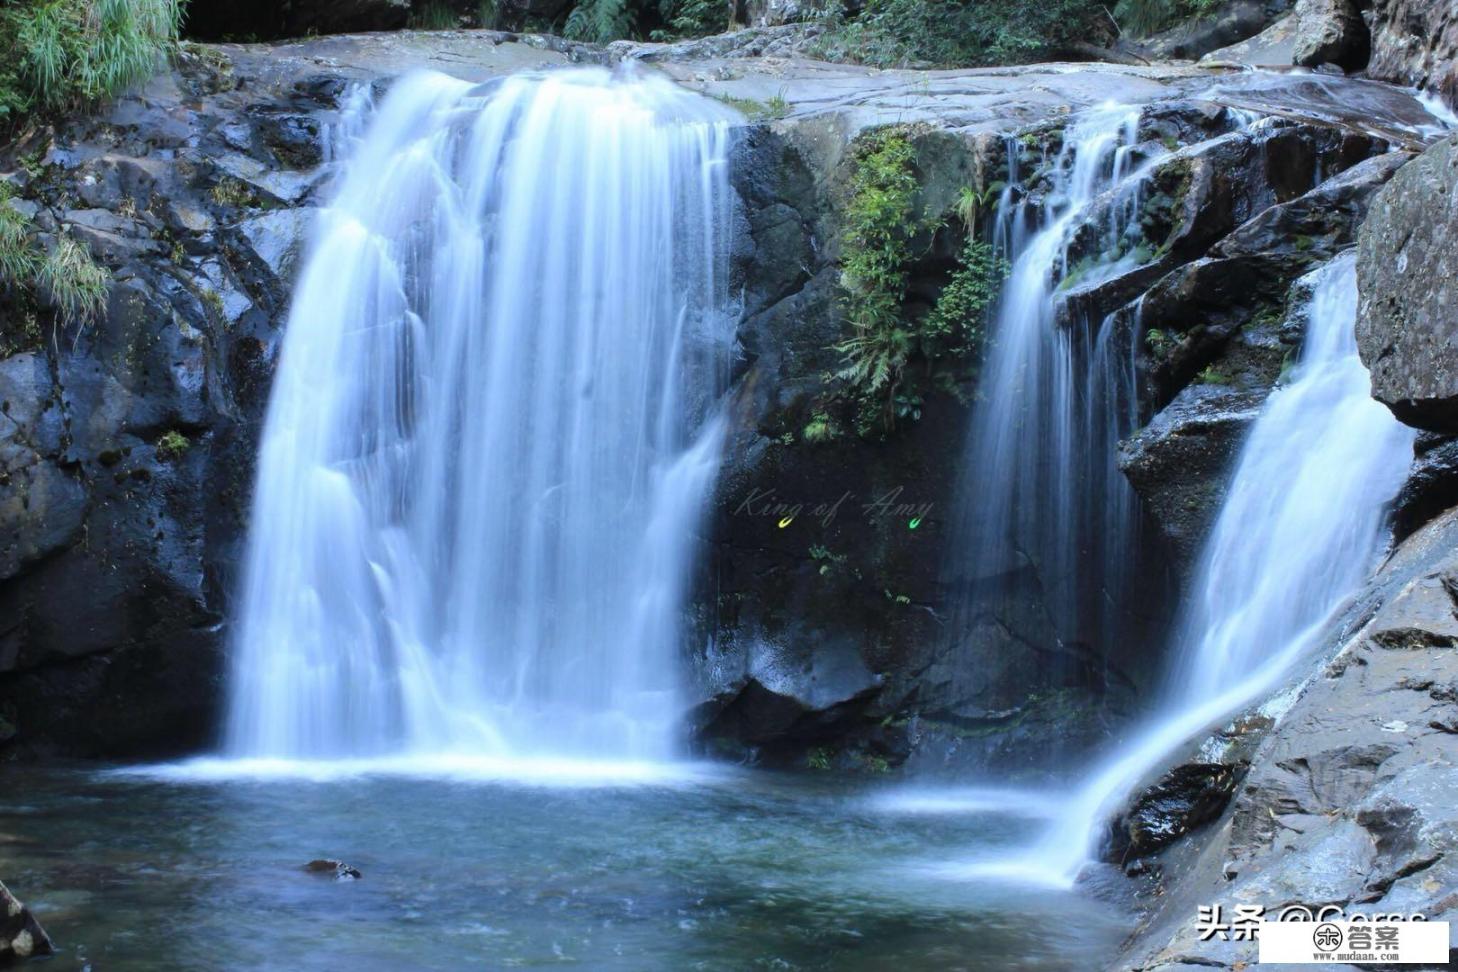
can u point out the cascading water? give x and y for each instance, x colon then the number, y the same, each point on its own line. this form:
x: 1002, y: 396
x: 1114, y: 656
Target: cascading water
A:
x: 493, y: 428
x: 1046, y: 511
x: 1302, y: 525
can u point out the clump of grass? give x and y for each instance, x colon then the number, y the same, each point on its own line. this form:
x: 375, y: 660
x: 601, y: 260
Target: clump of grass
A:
x: 434, y: 15
x: 771, y: 109
x: 57, y: 54
x: 1214, y: 375
x: 76, y: 284
x: 233, y: 192
x: 19, y: 258
x: 65, y: 275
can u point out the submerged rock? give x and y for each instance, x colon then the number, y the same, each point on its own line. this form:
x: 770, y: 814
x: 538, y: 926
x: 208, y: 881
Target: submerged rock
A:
x: 329, y: 867
x: 21, y: 936
x: 1407, y: 267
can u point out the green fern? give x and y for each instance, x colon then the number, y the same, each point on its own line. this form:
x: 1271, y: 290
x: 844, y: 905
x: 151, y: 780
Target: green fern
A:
x: 880, y: 221
x: 600, y: 21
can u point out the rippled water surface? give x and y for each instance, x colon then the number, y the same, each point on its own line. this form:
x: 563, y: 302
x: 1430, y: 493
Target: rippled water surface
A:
x: 713, y: 870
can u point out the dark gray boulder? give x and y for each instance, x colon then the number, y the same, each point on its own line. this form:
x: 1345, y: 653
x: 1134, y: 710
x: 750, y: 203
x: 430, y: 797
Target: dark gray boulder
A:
x: 1186, y: 797
x: 21, y: 936
x: 1180, y: 462
x: 1229, y: 24
x: 1330, y: 32
x: 1407, y: 272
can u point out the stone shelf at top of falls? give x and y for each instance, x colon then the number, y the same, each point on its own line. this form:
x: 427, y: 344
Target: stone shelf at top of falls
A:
x: 846, y: 98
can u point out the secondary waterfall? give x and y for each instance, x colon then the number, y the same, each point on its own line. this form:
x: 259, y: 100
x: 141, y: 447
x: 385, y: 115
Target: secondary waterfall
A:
x: 493, y: 427
x: 1302, y: 526
x: 1047, y: 513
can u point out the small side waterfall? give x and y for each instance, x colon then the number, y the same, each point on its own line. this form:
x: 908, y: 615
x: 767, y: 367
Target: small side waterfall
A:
x: 493, y: 428
x: 1046, y: 511
x: 1301, y: 528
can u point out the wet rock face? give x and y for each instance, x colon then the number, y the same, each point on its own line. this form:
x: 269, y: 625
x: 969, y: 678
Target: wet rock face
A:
x: 838, y: 621
x: 1407, y: 271
x: 1415, y: 43
x: 1217, y: 335
x: 1431, y: 487
x: 1349, y: 799
x: 21, y: 936
x: 125, y: 444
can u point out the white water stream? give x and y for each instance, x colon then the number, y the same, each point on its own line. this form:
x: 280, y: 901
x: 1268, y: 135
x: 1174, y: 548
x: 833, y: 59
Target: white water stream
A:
x: 493, y: 428
x: 1302, y: 526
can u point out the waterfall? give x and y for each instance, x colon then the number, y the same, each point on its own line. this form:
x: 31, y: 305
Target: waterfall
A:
x: 1301, y: 528
x: 493, y: 427
x: 1047, y: 512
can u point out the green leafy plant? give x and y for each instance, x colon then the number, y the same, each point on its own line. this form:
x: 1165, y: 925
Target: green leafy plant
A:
x: 959, y: 33
x: 820, y: 428
x: 691, y: 18
x: 601, y: 21
x: 1144, y: 17
x: 171, y: 445
x: 955, y: 324
x: 880, y: 221
x: 1158, y: 341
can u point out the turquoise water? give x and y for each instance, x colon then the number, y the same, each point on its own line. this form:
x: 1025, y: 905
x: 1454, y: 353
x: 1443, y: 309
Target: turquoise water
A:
x: 713, y: 870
